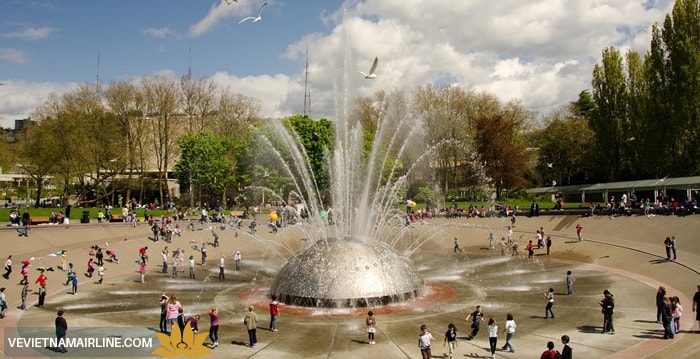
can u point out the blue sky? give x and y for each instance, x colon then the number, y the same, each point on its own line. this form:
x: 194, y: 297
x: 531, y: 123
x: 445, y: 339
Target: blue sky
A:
x: 540, y: 52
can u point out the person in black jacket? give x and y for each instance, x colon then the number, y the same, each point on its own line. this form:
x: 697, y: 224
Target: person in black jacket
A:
x: 61, y: 330
x: 607, y: 305
x: 566, y: 352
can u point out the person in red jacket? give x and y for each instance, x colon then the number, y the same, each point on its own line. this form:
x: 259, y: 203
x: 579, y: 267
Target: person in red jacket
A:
x: 41, y: 279
x: 550, y: 353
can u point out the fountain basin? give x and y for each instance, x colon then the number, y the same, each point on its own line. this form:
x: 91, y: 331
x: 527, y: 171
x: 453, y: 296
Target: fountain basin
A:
x: 347, y: 273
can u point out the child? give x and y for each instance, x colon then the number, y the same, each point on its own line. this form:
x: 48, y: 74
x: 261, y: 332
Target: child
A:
x: 25, y: 291
x: 370, y: 327
x: 112, y: 256
x: 191, y: 266
x: 25, y: 273
x: 578, y: 232
x: 142, y: 271
x: 74, y: 280
x: 101, y: 273
x: 42, y: 296
x: 69, y: 274
x: 90, y: 268
x: 194, y: 323
x: 63, y: 259
x: 424, y: 340
x: 451, y: 339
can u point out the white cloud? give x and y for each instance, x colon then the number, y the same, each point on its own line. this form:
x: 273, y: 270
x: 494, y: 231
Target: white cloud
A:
x: 19, y: 98
x: 160, y: 33
x: 31, y: 33
x: 13, y: 56
x: 217, y: 12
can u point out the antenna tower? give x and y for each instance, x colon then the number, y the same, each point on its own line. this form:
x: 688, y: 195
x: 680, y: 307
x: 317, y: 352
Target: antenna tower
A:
x: 189, y: 63
x: 307, y: 94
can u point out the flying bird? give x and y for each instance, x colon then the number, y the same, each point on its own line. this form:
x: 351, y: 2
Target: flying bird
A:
x: 371, y: 74
x: 549, y: 165
x: 231, y: 1
x: 255, y: 19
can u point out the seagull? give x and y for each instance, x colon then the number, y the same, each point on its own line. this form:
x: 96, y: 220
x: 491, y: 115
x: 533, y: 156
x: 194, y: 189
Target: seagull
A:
x: 255, y: 19
x: 371, y: 74
x: 231, y: 1
x: 549, y: 165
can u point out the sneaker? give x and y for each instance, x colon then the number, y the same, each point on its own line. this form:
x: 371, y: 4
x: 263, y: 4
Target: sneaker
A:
x: 274, y: 330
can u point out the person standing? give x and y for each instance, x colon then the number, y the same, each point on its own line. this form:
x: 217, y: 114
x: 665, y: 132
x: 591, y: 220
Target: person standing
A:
x: 74, y: 281
x: 550, y: 353
x: 172, y: 309
x: 61, y: 331
x: 493, y: 336
x: 221, y: 267
x: 569, y: 283
x: 274, y: 313
x: 214, y: 327
x: 607, y: 305
x: 667, y: 319
x: 451, y: 339
x: 696, y: 307
x: 660, y: 293
x: 216, y: 238
x: 251, y: 323
x: 491, y: 241
x: 25, y: 291
x: 69, y: 274
x: 42, y: 296
x: 3, y: 303
x: 142, y: 271
x: 509, y: 331
x: 8, y: 267
x: 476, y: 318
x: 101, y: 274
x: 24, y: 272
x: 674, y: 246
x: 668, y: 244
x: 142, y: 254
x: 41, y: 279
x: 174, y: 265
x: 677, y: 313
x: 456, y: 248
x: 163, y: 313
x: 371, y: 329
x: 530, y: 249
x: 64, y: 255
x: 509, y: 235
x: 164, y: 258
x: 190, y: 265
x: 549, y: 296
x: 578, y: 232
x: 566, y: 351
x: 203, y: 250
x: 424, y: 340
x: 548, y: 241
x: 237, y: 259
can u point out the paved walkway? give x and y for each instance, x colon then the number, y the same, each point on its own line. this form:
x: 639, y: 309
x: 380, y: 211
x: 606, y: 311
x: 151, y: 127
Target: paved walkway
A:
x: 623, y: 254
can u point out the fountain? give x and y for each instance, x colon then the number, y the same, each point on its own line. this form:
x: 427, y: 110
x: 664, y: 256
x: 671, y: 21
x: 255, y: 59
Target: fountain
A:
x: 353, y: 263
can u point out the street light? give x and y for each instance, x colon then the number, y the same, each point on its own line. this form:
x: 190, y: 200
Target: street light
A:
x: 265, y: 176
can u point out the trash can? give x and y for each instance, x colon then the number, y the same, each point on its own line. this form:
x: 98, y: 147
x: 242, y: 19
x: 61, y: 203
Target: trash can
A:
x: 86, y: 217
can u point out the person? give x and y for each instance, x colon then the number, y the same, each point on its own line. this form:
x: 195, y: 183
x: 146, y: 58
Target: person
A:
x: 451, y: 339
x: 424, y: 340
x: 493, y: 336
x: 677, y: 313
x: 174, y: 265
x: 216, y: 238
x: 181, y: 322
x: 607, y: 305
x: 569, y: 283
x: 667, y: 318
x: 550, y: 353
x: 41, y: 279
x: 214, y: 327
x: 660, y: 293
x: 530, y: 249
x: 549, y: 296
x: 668, y: 244
x: 99, y: 256
x: 674, y: 246
x: 90, y: 268
x: 566, y: 351
x: 163, y: 313
x: 578, y: 232
x: 190, y: 265
x: 24, y: 272
x: 69, y: 274
x: 274, y: 313
x: 25, y: 291
x: 164, y: 259
x: 371, y: 330
x: 509, y: 331
x: 101, y: 274
x: 237, y: 259
x: 64, y: 254
x: 203, y: 250
x: 42, y: 296
x: 8, y: 267
x: 61, y: 330
x: 74, y: 281
x: 457, y: 249
x: 476, y: 318
x: 112, y: 256
x: 142, y: 254
x: 696, y: 307
x: 491, y: 241
x: 142, y: 272
x: 194, y: 323
x: 3, y: 303
x: 221, y: 267
x: 251, y: 323
x: 509, y: 235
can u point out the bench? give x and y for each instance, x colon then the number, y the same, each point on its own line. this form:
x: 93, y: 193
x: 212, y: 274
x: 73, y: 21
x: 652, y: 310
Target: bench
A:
x: 236, y: 213
x: 39, y: 220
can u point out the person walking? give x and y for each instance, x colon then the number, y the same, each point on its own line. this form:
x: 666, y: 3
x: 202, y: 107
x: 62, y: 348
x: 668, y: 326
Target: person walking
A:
x: 61, y: 331
x: 24, y: 272
x: 607, y: 305
x: 216, y: 238
x: 74, y: 281
x: 237, y: 259
x: 371, y: 329
x: 142, y: 271
x: 8, y: 267
x: 203, y: 250
x: 549, y: 296
x: 578, y: 232
x: 274, y: 313
x: 530, y: 249
x: 493, y: 336
x: 696, y: 307
x: 569, y: 283
x: 456, y: 248
x: 450, y: 340
x: 509, y: 331
x: 221, y: 267
x: 69, y: 274
x: 214, y: 327
x: 251, y: 323
x: 476, y: 317
x: 172, y: 309
x: 424, y: 340
x: 668, y: 244
x: 677, y: 313
x: 566, y: 351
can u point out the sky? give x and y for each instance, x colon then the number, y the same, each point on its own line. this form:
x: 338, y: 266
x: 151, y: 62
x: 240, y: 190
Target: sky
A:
x: 539, y: 52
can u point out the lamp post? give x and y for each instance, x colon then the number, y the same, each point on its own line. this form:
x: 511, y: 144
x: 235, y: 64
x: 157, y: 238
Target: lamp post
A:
x: 265, y: 176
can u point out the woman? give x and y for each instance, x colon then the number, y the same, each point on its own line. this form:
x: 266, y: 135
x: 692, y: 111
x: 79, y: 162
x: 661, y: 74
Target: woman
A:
x: 172, y: 309
x: 214, y: 327
x: 163, y: 313
x: 509, y: 331
x: 667, y: 318
x: 8, y: 267
x: 251, y: 323
x: 550, y: 303
x: 371, y: 322
x: 493, y: 336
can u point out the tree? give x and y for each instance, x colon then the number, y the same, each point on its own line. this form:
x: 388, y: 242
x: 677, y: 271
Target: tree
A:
x: 316, y: 136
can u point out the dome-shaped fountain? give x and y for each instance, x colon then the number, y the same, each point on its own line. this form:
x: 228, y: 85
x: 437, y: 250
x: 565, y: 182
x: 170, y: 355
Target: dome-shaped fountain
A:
x: 348, y: 272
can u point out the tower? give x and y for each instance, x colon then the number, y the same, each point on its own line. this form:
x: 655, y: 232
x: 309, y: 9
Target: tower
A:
x: 307, y: 94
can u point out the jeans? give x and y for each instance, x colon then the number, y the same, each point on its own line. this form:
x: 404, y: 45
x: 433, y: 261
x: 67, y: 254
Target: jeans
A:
x: 273, y: 322
x: 668, y: 328
x: 252, y: 337
x: 509, y: 345
x: 548, y: 310
x: 608, y: 323
x: 214, y: 333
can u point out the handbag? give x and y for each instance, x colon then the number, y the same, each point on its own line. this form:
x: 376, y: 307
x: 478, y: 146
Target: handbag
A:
x: 371, y: 330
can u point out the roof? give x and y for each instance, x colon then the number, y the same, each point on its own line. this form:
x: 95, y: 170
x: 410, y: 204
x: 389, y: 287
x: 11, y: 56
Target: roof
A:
x: 648, y: 184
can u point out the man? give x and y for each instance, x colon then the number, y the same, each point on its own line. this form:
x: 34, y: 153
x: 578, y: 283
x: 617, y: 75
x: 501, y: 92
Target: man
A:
x: 221, y: 267
x: 274, y: 313
x: 566, y: 352
x: 696, y: 306
x: 216, y: 238
x: 669, y: 245
x: 237, y: 259
x: 607, y: 305
x: 476, y: 318
x: 457, y: 246
x: 61, y: 329
x: 142, y: 254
